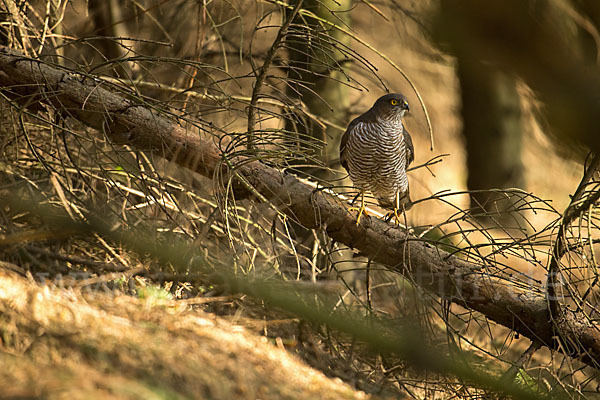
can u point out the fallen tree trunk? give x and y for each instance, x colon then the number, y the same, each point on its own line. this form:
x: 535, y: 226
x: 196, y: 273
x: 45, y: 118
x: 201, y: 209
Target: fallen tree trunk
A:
x: 464, y: 283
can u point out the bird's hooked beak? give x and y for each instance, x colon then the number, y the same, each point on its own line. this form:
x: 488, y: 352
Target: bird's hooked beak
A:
x: 405, y: 106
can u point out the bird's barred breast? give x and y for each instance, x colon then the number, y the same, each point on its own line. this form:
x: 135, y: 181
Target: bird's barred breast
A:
x: 377, y: 159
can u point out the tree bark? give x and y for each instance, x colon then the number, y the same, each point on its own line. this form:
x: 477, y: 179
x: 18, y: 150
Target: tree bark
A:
x: 467, y: 284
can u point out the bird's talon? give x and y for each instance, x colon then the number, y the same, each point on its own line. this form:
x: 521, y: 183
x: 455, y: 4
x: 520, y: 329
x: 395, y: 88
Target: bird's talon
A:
x: 393, y: 215
x: 397, y: 216
x: 362, y: 210
x: 388, y: 216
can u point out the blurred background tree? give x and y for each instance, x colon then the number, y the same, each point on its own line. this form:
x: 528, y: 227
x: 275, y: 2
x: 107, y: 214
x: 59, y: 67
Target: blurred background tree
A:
x: 491, y: 108
x: 492, y: 126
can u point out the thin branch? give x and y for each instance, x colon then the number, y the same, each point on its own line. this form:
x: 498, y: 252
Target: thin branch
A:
x: 511, y: 373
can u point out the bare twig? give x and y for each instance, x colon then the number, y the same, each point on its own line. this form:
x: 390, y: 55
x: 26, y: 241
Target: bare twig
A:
x: 511, y: 373
x: 96, y: 265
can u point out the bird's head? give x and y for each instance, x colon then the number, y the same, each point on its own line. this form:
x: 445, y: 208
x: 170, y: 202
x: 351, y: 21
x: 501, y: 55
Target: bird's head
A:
x: 391, y: 106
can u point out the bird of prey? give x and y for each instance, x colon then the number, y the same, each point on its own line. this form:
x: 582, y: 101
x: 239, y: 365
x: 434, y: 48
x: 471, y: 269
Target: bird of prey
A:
x: 376, y: 150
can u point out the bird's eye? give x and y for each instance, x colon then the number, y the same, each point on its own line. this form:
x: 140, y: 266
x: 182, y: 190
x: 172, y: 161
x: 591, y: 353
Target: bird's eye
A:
x: 394, y: 102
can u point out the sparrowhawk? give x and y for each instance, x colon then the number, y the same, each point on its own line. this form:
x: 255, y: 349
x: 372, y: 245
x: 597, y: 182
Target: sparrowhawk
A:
x: 376, y: 150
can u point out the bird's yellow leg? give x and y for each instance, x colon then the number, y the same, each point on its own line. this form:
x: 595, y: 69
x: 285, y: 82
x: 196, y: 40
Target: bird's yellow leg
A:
x: 397, y: 209
x: 362, y: 209
x: 396, y: 213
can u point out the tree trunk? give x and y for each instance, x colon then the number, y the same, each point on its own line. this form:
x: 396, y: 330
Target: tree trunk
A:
x: 492, y: 128
x: 315, y: 72
x: 109, y: 24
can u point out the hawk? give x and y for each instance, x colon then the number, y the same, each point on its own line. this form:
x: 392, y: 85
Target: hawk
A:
x: 376, y: 150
